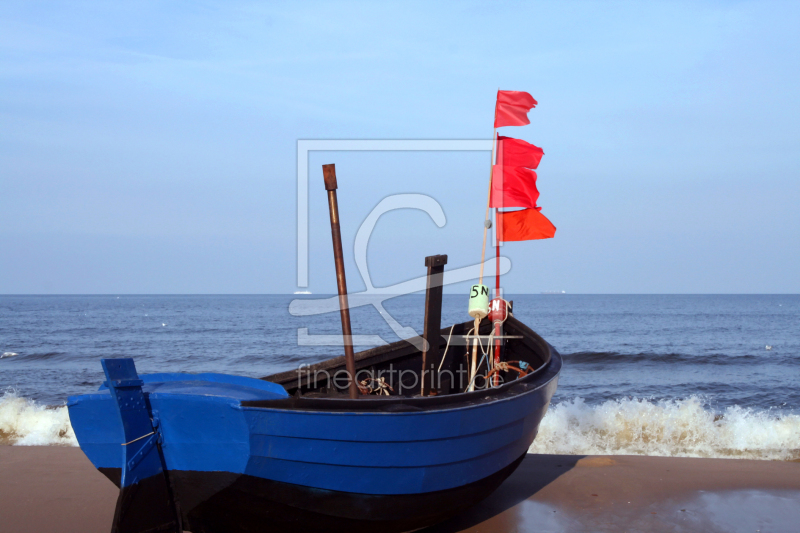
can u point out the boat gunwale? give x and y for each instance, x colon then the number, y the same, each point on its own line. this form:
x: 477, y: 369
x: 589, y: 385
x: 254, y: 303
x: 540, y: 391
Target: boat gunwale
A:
x: 420, y: 405
x: 405, y: 347
x: 337, y: 407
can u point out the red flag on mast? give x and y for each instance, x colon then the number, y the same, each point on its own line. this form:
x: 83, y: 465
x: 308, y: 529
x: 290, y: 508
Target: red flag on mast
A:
x: 517, y: 153
x: 513, y: 183
x: 512, y: 108
x: 513, y: 187
x: 524, y: 225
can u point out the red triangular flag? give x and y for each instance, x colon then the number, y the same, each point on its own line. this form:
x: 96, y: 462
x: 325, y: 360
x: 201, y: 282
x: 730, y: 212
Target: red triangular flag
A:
x: 517, y: 153
x: 513, y: 187
x: 512, y: 108
x: 525, y: 225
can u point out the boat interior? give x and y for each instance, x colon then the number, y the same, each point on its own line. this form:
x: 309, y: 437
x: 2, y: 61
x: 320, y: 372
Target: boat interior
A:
x: 392, y: 372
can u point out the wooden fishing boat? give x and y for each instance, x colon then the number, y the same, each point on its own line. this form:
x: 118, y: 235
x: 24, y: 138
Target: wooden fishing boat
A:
x: 232, y: 454
x: 409, y: 442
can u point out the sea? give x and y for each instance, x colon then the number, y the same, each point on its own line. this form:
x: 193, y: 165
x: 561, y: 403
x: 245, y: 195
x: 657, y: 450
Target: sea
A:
x: 667, y: 375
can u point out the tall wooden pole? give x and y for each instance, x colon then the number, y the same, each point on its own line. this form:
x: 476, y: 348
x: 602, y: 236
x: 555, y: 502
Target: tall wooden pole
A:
x: 474, y: 369
x: 329, y: 173
x: 489, y: 195
x: 488, y: 200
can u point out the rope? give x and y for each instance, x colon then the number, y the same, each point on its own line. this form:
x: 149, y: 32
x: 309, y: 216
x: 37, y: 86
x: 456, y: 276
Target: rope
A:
x: 140, y: 438
x: 490, y: 367
x: 507, y: 366
x: 484, y: 354
x: 446, y: 348
x: 381, y: 387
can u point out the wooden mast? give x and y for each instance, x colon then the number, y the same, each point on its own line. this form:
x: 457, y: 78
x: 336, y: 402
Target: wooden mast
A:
x: 486, y: 222
x: 486, y: 225
x: 329, y: 173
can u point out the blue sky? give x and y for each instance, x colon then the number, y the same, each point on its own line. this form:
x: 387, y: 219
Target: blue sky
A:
x: 151, y: 147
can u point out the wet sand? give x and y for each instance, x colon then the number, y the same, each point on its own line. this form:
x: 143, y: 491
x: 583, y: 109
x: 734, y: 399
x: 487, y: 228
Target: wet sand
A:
x: 51, y: 488
x: 633, y: 493
x: 45, y: 489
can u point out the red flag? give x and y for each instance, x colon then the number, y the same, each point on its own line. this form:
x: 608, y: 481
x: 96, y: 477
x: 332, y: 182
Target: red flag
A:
x: 512, y: 108
x: 525, y: 225
x: 517, y: 153
x: 513, y: 187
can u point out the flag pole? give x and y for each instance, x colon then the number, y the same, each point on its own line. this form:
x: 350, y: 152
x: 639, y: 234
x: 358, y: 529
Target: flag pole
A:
x: 497, y: 255
x: 474, y: 369
x: 489, y: 194
x: 497, y: 325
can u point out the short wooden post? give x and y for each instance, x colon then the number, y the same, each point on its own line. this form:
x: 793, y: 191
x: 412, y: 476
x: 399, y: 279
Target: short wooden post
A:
x: 433, y: 322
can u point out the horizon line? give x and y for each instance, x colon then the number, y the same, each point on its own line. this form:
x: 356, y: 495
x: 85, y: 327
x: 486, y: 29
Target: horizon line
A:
x: 418, y: 293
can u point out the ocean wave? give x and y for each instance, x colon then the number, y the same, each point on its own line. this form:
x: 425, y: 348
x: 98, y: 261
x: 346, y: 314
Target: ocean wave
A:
x: 678, y: 428
x: 630, y: 426
x: 37, y: 356
x: 617, y: 357
x: 44, y: 356
x: 24, y: 422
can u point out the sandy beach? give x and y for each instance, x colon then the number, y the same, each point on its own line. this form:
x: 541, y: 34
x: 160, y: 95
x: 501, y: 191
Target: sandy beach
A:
x: 52, y: 488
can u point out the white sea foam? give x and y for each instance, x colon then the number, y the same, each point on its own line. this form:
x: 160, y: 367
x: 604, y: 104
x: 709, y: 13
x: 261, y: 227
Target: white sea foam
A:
x: 8, y: 354
x: 24, y: 422
x: 680, y: 428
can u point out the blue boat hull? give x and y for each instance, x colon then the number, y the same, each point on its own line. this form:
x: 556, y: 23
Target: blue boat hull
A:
x: 220, y: 502
x: 241, y: 455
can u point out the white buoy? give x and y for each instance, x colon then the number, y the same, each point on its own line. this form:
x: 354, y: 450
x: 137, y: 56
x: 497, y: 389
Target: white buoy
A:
x: 478, y: 309
x: 478, y: 301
